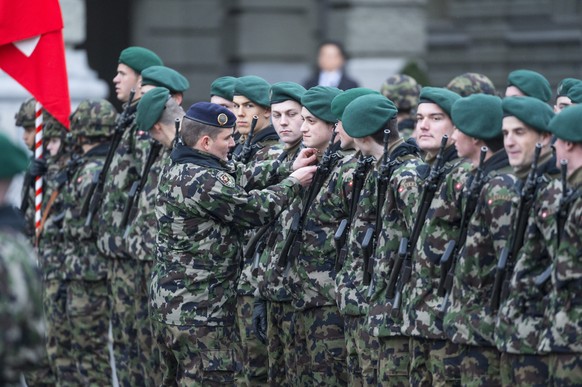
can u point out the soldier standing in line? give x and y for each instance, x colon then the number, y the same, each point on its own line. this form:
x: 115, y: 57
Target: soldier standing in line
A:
x: 486, y: 220
x: 521, y: 83
x: 520, y: 315
x: 85, y: 269
x: 200, y: 210
x: 403, y: 91
x: 562, y: 100
x: 126, y: 167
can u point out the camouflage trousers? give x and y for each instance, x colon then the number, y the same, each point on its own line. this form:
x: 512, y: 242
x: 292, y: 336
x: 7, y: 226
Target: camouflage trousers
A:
x: 281, y: 344
x: 434, y: 362
x: 255, y: 359
x: 362, y: 352
x: 394, y: 361
x: 524, y: 370
x: 480, y: 366
x: 326, y: 346
x: 198, y: 355
x: 565, y: 369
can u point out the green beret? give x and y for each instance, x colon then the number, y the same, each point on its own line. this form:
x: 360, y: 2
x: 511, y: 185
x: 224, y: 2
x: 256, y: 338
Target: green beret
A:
x: 442, y: 97
x: 150, y: 107
x: 531, y: 83
x: 254, y: 88
x: 367, y: 115
x: 139, y: 58
x: 318, y: 101
x: 285, y: 91
x: 223, y: 87
x: 162, y: 76
x: 565, y: 85
x: 478, y: 116
x: 568, y: 124
x: 13, y: 159
x: 339, y: 103
x: 529, y: 110
x: 575, y: 93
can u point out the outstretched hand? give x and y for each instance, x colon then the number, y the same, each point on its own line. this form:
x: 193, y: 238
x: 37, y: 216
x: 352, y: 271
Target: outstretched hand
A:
x: 307, y: 156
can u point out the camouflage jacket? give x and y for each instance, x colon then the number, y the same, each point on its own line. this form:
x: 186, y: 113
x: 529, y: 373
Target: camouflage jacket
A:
x: 82, y: 259
x: 421, y: 306
x: 261, y: 142
x: 202, y: 213
x: 22, y: 344
x: 279, y: 150
x: 469, y: 319
x: 27, y: 199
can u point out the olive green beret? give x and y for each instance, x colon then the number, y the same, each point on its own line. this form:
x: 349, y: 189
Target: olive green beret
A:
x: 529, y: 110
x: 150, y: 107
x: 531, y: 83
x: 367, y: 115
x: 254, y: 88
x: 13, y: 159
x: 575, y: 93
x: 318, y: 101
x: 223, y: 87
x: 568, y: 124
x: 565, y: 85
x: 285, y: 91
x: 478, y: 116
x: 162, y: 76
x: 444, y: 98
x: 339, y: 103
x: 139, y: 58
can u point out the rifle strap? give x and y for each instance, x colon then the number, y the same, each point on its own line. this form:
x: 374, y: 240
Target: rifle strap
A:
x: 46, y: 213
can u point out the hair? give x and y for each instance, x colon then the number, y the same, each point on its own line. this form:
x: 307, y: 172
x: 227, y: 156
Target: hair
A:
x: 339, y: 45
x: 172, y: 110
x: 192, y: 131
x: 394, y: 135
x: 494, y: 144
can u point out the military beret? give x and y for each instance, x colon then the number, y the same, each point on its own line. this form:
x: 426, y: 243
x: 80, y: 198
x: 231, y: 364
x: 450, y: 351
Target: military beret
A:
x: 531, y: 83
x: 442, y: 97
x: 575, y: 93
x: 478, y: 116
x: 285, y: 91
x: 565, y: 85
x: 223, y: 87
x: 339, y: 103
x: 471, y: 83
x: 150, y: 108
x: 568, y: 124
x: 318, y: 101
x: 139, y: 58
x: 254, y: 88
x: 529, y: 110
x: 13, y: 159
x: 162, y: 76
x: 367, y: 115
x: 211, y: 114
x: 401, y: 89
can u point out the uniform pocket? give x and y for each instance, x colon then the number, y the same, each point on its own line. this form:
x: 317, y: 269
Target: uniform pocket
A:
x: 219, y: 366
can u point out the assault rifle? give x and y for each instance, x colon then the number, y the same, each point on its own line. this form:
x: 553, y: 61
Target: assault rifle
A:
x: 245, y: 154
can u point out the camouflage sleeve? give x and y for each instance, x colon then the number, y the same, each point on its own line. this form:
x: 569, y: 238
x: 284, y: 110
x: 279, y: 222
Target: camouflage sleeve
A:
x: 496, y: 201
x: 78, y: 189
x: 261, y: 174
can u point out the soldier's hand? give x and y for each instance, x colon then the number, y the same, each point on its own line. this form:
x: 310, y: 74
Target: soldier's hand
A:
x: 37, y: 167
x: 307, y: 156
x: 260, y: 320
x: 305, y: 175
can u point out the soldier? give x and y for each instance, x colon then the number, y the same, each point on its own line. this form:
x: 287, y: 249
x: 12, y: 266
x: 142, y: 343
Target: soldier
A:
x: 221, y: 91
x: 471, y: 83
x: 200, y: 209
x: 520, y: 315
x: 162, y: 76
x: 124, y: 274
x: 403, y: 91
x: 85, y: 269
x: 561, y: 230
x: 562, y: 100
x: 529, y: 83
x: 22, y: 346
x: 470, y: 268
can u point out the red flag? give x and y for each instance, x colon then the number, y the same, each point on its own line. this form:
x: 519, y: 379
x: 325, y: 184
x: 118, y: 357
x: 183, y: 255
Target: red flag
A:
x: 43, y: 71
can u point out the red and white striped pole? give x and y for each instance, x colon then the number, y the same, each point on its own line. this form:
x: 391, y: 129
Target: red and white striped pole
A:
x: 38, y: 149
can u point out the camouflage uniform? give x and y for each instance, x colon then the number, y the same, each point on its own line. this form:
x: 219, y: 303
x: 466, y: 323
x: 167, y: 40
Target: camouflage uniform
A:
x: 469, y: 320
x: 434, y: 359
x: 22, y: 346
x: 200, y: 210
x: 404, y: 91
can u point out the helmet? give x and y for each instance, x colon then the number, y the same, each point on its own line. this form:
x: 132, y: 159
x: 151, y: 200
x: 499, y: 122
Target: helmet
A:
x: 94, y: 119
x: 471, y: 83
x: 51, y: 127
x: 403, y: 90
x: 26, y: 114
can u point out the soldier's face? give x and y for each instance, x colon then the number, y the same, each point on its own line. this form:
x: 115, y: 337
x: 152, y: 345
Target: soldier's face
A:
x: 125, y: 80
x: 466, y: 146
x: 28, y: 136
x: 561, y: 152
x: 53, y: 145
x: 245, y: 109
x: 316, y: 132
x: 519, y: 141
x: 432, y: 123
x: 346, y: 142
x: 561, y: 103
x: 220, y: 145
x: 513, y: 91
x: 286, y: 118
x: 223, y: 102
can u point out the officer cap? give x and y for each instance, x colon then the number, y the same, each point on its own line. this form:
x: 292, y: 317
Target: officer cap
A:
x: 211, y: 114
x: 150, y: 108
x: 162, y: 76
x: 531, y: 83
x: 223, y: 87
x: 442, y: 97
x: 575, y: 93
x: 367, y: 115
x: 529, y: 110
x: 403, y: 90
x: 254, y: 88
x: 94, y: 118
x: 568, y: 124
x: 478, y: 116
x: 13, y: 159
x: 340, y: 101
x: 471, y: 83
x: 26, y: 114
x: 565, y: 85
x: 285, y: 91
x: 318, y: 101
x: 139, y: 58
